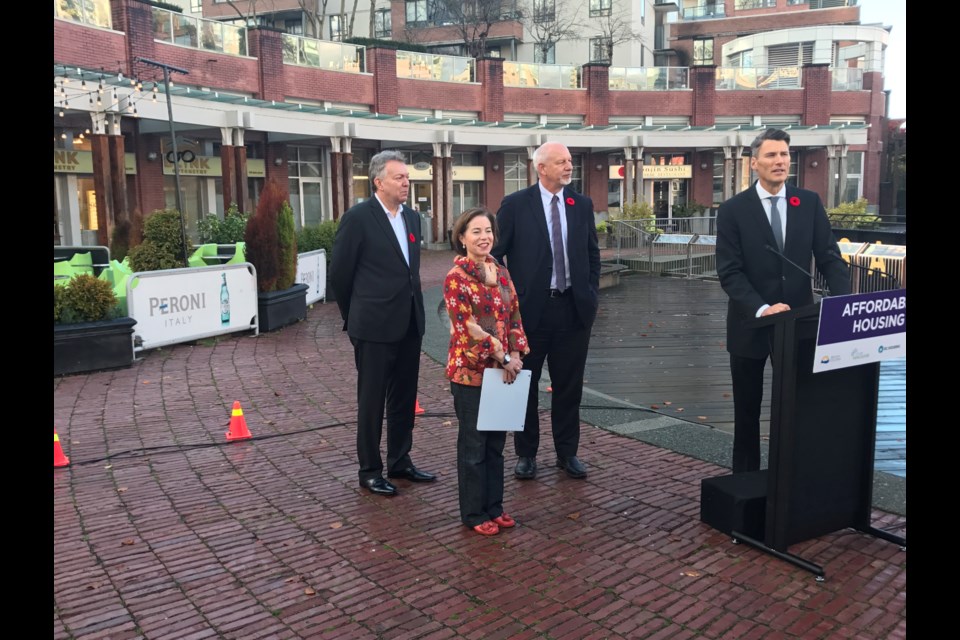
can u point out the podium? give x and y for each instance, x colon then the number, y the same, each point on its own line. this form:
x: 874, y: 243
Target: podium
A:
x: 821, y: 452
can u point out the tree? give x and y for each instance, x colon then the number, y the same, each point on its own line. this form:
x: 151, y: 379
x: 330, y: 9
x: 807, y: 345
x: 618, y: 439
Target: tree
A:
x: 472, y: 19
x: 250, y: 17
x: 615, y: 28
x: 315, y: 11
x: 550, y: 21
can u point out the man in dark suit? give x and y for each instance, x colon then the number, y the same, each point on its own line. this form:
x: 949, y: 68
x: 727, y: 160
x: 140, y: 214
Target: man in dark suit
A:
x: 760, y: 231
x: 375, y: 275
x: 549, y: 238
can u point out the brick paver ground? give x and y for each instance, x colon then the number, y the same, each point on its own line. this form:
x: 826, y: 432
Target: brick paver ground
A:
x: 162, y: 530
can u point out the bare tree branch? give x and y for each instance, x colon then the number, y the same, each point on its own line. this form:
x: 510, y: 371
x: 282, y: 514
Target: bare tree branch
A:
x: 550, y: 21
x: 316, y: 12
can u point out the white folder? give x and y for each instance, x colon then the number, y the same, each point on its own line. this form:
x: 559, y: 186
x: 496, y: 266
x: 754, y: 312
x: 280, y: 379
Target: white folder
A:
x: 503, y: 407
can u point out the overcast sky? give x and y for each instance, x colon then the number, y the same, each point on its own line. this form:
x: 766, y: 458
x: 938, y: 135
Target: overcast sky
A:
x: 892, y: 13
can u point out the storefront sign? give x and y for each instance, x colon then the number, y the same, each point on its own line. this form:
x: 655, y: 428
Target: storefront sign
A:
x: 656, y: 171
x: 312, y: 271
x: 209, y: 166
x: 179, y: 305
x: 82, y: 162
x: 460, y: 174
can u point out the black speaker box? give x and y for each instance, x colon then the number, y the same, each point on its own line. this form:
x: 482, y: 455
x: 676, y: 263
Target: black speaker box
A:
x: 736, y: 502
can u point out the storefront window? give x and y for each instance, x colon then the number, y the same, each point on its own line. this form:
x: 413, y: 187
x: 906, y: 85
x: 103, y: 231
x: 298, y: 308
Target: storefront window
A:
x: 514, y: 172
x: 854, y: 178
x: 87, y: 201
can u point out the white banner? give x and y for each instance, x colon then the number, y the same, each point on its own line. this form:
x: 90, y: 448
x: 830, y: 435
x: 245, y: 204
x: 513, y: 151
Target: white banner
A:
x: 180, y: 305
x: 312, y: 271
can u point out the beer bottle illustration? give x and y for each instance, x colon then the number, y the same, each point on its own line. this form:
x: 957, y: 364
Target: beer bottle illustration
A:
x: 224, y: 301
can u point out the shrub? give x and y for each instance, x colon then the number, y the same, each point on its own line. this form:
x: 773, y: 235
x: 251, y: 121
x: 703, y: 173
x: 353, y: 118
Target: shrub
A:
x: 262, y: 237
x: 851, y: 215
x: 58, y: 301
x: 689, y: 210
x: 162, y: 247
x: 318, y: 237
x: 230, y: 230
x: 602, y: 226
x: 287, y: 238
x: 85, y: 299
x: 641, y: 211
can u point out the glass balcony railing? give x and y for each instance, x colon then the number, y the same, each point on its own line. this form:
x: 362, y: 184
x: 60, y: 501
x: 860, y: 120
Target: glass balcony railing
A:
x: 199, y: 33
x: 741, y: 5
x: 550, y: 76
x: 847, y: 79
x: 829, y: 4
x: 734, y: 78
x: 92, y: 12
x: 649, y: 78
x: 323, y: 54
x: 429, y: 66
x: 703, y: 12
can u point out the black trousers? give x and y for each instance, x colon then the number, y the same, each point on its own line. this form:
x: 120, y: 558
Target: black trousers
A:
x: 561, y: 340
x: 479, y: 460
x: 747, y: 375
x: 387, y: 375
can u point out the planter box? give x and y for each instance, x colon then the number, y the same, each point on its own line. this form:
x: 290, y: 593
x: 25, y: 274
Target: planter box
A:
x: 279, y: 308
x: 92, y: 346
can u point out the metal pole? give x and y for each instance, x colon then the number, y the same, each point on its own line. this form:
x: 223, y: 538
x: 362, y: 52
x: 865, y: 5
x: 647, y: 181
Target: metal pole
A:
x: 173, y: 141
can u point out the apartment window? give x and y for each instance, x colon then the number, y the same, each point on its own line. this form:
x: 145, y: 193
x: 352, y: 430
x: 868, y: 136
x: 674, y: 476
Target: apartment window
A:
x: 382, y: 23
x: 196, y: 6
x: 545, y: 52
x: 600, y: 8
x: 416, y: 12
x: 601, y: 49
x: 544, y: 10
x: 703, y: 51
x: 294, y: 27
x: 336, y: 27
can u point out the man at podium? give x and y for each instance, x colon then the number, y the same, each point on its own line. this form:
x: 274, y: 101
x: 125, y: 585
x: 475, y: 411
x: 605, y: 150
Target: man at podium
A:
x: 766, y: 236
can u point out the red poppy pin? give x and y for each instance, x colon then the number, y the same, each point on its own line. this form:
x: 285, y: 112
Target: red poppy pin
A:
x: 503, y: 281
x: 412, y: 239
x: 794, y: 201
x: 570, y: 201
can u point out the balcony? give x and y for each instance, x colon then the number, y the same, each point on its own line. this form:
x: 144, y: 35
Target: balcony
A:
x: 198, y: 33
x: 550, y: 76
x: 95, y: 13
x: 704, y: 12
x: 743, y: 5
x: 750, y: 78
x: 649, y: 78
x: 431, y: 66
x: 322, y: 54
x: 827, y: 4
x: 847, y: 79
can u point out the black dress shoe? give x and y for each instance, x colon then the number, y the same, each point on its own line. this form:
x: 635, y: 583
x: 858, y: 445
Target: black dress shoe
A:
x: 572, y: 466
x: 526, y: 468
x: 379, y: 486
x: 413, y: 474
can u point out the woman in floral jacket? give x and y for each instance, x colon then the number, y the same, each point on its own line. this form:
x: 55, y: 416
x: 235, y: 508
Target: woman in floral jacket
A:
x: 485, y: 331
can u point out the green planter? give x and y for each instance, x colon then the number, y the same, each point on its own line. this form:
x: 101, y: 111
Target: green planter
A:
x: 92, y: 346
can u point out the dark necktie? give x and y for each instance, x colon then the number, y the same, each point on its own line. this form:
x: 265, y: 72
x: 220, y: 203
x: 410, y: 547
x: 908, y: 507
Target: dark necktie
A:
x: 775, y: 221
x: 559, y: 268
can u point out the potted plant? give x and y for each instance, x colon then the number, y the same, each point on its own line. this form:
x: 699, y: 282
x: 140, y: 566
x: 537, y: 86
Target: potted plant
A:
x: 605, y: 235
x: 89, y: 331
x: 271, y: 247
x: 162, y: 246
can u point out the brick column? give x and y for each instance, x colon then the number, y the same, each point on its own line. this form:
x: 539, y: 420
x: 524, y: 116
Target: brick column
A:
x: 336, y: 182
x: 118, y: 178
x: 273, y: 172
x: 702, y: 192
x: 596, y: 80
x: 347, y: 174
x: 490, y: 77
x: 266, y: 45
x: 596, y: 184
x: 817, y: 94
x: 493, y: 187
x: 704, y: 85
x: 873, y: 156
x: 228, y: 174
x: 382, y: 63
x: 240, y: 177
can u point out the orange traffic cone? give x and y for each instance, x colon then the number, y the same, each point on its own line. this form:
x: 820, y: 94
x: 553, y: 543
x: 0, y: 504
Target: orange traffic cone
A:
x: 59, y: 460
x: 238, y: 425
x: 418, y: 409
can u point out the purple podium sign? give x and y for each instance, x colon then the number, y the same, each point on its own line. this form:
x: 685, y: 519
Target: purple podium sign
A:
x: 860, y: 329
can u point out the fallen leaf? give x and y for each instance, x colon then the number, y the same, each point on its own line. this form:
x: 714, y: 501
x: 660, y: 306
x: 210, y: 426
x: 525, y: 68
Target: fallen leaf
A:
x: 574, y: 516
x: 146, y: 382
x: 109, y: 466
x: 336, y: 525
x: 276, y: 393
x: 654, y: 406
x: 726, y: 395
x: 121, y: 489
x: 95, y: 585
x: 270, y: 422
x: 294, y: 579
x: 127, y: 542
x: 701, y: 417
x: 643, y: 335
x: 667, y: 402
x: 679, y: 408
x: 446, y: 423
x: 691, y: 573
x: 309, y: 592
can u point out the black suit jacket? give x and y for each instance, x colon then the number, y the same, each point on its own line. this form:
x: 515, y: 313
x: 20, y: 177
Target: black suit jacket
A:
x: 752, y: 275
x: 374, y: 287
x: 525, y: 242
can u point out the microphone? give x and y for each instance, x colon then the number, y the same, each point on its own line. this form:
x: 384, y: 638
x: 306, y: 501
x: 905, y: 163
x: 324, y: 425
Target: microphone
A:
x: 793, y: 264
x: 869, y: 270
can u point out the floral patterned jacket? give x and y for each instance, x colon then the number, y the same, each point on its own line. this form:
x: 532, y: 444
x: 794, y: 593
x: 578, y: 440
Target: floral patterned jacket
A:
x: 482, y: 318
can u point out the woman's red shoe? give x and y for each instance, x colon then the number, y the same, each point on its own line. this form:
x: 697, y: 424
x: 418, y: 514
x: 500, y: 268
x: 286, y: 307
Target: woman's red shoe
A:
x: 504, y: 521
x: 488, y: 528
